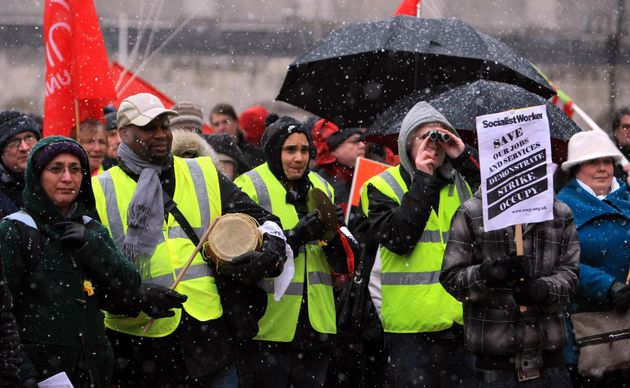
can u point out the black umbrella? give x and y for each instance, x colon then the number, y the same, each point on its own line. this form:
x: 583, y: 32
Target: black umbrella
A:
x: 463, y: 103
x: 358, y: 71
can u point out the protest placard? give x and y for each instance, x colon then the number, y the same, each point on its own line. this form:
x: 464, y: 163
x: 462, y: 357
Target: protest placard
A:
x: 364, y: 169
x: 516, y: 173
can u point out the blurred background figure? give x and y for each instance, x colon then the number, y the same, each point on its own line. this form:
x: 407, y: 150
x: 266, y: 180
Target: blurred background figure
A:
x: 113, y: 140
x: 224, y: 120
x: 232, y: 161
x: 93, y: 138
x: 18, y: 134
x: 381, y: 153
x: 252, y: 122
x: 601, y: 209
x: 190, y: 117
x: 337, y: 153
x: 621, y: 137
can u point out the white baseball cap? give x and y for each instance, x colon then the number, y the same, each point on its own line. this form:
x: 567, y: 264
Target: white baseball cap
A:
x: 140, y: 109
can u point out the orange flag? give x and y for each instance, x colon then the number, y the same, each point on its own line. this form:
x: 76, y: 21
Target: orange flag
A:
x: 77, y: 70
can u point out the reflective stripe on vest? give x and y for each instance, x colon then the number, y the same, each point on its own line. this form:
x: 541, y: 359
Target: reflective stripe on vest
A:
x: 114, y: 190
x: 410, y: 278
x: 194, y: 272
x: 412, y: 298
x: 295, y: 288
x: 393, y: 183
x: 281, y: 318
x: 111, y: 203
x: 261, y: 189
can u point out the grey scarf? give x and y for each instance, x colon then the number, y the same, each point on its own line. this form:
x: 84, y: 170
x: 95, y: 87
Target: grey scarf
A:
x: 145, y: 215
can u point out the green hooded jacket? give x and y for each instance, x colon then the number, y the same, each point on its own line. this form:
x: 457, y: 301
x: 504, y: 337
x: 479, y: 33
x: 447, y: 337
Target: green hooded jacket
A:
x: 61, y: 327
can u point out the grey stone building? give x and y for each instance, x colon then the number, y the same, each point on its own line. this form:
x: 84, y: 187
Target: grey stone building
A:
x: 210, y: 51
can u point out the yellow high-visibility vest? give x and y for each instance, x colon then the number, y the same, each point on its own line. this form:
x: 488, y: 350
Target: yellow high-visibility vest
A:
x: 280, y: 320
x: 406, y: 288
x: 197, y: 195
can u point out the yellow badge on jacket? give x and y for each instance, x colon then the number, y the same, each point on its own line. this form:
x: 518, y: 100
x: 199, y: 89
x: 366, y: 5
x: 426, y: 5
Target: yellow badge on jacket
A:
x: 88, y: 287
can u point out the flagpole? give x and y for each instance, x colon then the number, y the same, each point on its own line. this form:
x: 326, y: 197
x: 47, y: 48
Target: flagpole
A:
x: 594, y: 126
x: 76, y: 116
x: 140, y: 68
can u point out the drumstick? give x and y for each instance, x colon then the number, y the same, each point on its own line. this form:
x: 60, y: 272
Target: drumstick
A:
x: 628, y: 278
x: 181, y: 274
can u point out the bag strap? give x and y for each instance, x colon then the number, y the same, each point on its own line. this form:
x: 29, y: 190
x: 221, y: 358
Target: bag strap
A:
x: 171, y: 207
x: 30, y: 246
x: 30, y: 239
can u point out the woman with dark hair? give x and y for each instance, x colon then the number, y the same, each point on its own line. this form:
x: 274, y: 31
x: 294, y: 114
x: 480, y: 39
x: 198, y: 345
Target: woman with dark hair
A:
x: 297, y: 332
x: 66, y: 272
x: 601, y: 208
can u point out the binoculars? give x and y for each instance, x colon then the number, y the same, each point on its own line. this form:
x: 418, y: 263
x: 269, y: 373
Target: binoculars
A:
x: 439, y: 136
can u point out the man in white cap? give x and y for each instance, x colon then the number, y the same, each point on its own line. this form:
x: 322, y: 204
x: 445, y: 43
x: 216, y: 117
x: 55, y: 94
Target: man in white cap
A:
x: 156, y: 207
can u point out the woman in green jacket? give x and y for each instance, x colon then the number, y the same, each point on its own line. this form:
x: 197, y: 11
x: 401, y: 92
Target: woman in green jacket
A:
x: 62, y: 269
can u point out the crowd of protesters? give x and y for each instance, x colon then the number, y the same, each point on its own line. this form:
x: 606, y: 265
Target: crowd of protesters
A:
x: 97, y: 227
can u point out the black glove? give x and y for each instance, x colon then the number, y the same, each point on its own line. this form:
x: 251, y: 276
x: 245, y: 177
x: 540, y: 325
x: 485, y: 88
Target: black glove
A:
x: 620, y: 295
x: 157, y: 301
x: 506, y: 270
x: 531, y: 292
x: 309, y: 228
x: 74, y: 235
x: 253, y: 266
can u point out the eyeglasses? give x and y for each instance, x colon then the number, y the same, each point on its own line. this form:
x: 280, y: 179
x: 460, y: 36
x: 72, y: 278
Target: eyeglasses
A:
x: 59, y: 169
x: 222, y: 122
x: 624, y: 126
x: 28, y: 139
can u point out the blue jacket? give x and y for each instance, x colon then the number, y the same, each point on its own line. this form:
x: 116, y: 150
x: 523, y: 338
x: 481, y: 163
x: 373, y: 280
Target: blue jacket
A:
x: 604, y: 231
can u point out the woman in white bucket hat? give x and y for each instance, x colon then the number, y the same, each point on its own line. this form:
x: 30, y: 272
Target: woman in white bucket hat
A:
x: 601, y: 208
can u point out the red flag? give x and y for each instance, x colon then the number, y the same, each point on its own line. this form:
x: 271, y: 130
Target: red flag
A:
x: 408, y: 7
x: 77, y: 70
x: 128, y: 87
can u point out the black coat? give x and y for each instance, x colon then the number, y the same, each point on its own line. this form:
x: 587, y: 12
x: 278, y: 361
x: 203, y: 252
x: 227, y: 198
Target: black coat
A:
x: 9, y: 358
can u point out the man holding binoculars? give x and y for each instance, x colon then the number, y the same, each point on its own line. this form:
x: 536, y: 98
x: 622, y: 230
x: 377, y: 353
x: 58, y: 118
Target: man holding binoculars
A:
x: 408, y: 210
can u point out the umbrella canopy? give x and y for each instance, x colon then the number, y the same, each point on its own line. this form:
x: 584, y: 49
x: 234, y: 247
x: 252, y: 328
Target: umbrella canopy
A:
x: 359, y: 70
x: 463, y: 103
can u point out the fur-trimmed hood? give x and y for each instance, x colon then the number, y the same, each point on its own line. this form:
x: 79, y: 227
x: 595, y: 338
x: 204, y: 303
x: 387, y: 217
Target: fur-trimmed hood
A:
x: 186, y: 142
